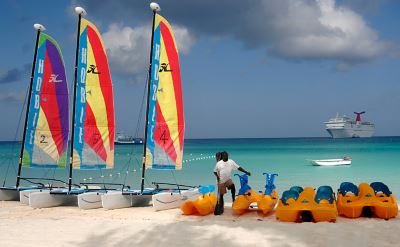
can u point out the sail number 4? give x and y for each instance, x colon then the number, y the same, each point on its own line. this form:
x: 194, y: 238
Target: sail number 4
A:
x: 163, y: 136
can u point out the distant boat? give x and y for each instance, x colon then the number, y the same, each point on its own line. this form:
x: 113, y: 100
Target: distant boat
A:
x: 344, y: 127
x: 332, y: 162
x: 121, y: 139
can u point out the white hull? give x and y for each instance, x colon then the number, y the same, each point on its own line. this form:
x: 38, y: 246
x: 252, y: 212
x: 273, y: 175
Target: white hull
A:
x: 12, y: 193
x: 344, y: 127
x: 351, y: 133
x: 116, y: 200
x: 331, y: 162
x: 9, y: 194
x: 90, y: 200
x: 170, y: 200
x: 44, y: 199
x: 25, y: 194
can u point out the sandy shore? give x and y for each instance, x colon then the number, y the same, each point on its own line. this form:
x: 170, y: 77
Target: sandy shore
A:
x: 70, y: 226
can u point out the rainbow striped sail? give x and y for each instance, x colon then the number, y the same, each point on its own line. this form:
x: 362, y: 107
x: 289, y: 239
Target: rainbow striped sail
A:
x: 46, y: 136
x: 166, y: 125
x: 94, y: 105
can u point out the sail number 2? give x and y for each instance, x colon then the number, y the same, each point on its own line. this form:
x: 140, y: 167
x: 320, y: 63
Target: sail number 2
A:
x: 43, y: 139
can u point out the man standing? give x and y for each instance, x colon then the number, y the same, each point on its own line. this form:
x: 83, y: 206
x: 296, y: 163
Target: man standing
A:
x: 223, y: 170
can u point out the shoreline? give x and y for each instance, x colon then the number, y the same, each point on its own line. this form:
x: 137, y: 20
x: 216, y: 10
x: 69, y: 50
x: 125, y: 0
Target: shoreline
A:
x: 21, y: 225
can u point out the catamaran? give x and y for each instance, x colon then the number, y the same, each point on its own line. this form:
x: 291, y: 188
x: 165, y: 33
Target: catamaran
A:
x: 92, y: 137
x: 164, y: 130
x: 45, y: 132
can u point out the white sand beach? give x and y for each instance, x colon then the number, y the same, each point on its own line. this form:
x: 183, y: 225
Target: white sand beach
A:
x: 71, y: 226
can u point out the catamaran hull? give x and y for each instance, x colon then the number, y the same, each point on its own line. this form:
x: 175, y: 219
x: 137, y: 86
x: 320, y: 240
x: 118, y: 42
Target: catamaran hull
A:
x: 25, y: 194
x: 170, y: 200
x: 45, y: 199
x: 116, y: 200
x: 9, y: 194
x: 90, y: 200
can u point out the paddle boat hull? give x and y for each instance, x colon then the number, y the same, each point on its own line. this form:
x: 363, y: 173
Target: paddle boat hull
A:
x: 306, y: 206
x: 247, y: 197
x: 268, y: 203
x: 243, y: 202
x: 203, y: 205
x: 367, y: 201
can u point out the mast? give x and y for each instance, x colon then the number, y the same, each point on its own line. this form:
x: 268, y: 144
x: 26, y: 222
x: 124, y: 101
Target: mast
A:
x: 39, y: 28
x: 155, y: 8
x: 80, y: 11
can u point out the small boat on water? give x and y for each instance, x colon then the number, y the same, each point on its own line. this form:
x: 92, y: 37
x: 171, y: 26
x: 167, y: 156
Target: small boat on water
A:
x: 121, y: 139
x: 332, y: 162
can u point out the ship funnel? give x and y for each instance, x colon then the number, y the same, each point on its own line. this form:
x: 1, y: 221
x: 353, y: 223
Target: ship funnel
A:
x: 358, y: 118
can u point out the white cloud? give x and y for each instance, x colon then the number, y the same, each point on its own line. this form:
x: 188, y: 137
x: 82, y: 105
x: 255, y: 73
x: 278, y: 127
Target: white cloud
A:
x: 128, y: 47
x: 330, y: 30
x: 322, y: 30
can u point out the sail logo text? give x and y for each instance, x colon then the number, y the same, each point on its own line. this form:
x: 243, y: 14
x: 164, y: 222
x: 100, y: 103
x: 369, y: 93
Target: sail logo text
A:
x: 53, y: 78
x: 92, y: 69
x: 165, y: 68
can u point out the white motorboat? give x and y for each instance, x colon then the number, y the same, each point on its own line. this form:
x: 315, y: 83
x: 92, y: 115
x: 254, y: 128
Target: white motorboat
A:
x: 332, y: 162
x: 121, y: 139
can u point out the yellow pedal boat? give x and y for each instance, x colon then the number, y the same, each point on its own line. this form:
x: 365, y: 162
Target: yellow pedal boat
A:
x: 203, y: 205
x: 298, y: 205
x: 366, y: 200
x: 265, y: 201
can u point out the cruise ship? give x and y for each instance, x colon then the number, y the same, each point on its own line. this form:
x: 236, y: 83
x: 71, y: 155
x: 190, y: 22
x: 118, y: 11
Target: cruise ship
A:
x: 345, y: 127
x: 121, y: 139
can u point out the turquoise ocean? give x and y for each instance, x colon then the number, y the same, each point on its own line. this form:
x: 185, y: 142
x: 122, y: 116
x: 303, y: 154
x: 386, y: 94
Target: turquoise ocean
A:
x: 374, y: 159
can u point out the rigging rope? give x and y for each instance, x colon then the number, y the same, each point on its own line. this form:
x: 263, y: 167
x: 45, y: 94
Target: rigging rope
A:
x: 15, y: 137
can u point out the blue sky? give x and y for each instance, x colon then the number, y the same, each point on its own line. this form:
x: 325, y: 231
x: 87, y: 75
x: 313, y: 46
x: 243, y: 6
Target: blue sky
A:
x: 249, y: 68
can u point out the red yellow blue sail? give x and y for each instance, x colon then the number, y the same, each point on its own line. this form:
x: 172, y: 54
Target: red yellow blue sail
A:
x: 93, y: 145
x: 165, y: 130
x: 46, y: 136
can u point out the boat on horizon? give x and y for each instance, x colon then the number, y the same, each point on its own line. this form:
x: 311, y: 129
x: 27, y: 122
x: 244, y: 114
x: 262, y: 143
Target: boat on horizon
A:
x: 345, y: 127
x: 121, y: 139
x: 332, y: 162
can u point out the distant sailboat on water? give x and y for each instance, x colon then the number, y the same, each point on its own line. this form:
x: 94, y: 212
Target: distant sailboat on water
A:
x: 46, y: 125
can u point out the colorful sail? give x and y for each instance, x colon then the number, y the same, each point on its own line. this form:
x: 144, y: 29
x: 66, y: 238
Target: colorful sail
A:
x: 165, y: 131
x: 46, y: 136
x: 94, y: 106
